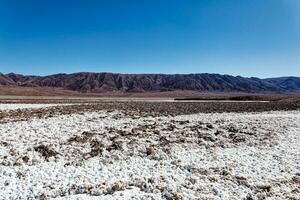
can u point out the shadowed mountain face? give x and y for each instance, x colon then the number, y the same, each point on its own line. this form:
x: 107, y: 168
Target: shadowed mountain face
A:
x: 286, y: 83
x: 104, y: 82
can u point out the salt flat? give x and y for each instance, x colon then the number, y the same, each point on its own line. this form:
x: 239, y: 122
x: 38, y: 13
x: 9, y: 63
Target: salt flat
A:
x: 5, y: 107
x: 110, y: 155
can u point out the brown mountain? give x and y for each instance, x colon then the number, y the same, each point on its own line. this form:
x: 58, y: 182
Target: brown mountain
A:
x: 290, y: 83
x: 104, y: 82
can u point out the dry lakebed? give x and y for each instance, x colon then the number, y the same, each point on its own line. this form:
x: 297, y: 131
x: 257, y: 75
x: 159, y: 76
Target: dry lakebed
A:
x: 140, y: 150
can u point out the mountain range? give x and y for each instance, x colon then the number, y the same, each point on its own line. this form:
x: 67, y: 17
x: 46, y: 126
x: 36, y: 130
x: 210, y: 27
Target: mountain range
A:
x: 108, y: 82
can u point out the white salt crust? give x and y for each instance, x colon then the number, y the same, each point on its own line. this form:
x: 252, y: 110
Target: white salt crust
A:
x: 120, y: 175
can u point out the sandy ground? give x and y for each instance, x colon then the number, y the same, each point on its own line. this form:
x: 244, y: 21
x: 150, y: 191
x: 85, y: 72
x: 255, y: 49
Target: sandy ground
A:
x: 110, y: 155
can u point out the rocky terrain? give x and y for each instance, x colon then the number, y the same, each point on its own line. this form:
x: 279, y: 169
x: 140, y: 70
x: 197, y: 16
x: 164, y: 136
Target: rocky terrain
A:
x: 109, y: 82
x: 46, y: 108
x: 147, y: 150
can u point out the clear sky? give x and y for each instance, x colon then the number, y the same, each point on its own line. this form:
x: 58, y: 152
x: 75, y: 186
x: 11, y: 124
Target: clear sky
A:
x: 239, y: 37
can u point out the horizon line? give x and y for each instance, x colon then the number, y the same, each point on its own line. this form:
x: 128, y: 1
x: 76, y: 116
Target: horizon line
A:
x: 107, y: 72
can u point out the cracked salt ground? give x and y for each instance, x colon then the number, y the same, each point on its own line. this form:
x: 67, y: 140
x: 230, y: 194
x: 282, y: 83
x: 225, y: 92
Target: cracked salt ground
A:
x: 107, y: 155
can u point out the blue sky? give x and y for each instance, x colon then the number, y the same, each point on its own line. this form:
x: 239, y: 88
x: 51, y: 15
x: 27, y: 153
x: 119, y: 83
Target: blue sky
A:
x: 239, y: 37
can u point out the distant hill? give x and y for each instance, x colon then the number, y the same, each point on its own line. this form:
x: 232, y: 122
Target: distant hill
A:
x: 107, y: 82
x: 287, y: 83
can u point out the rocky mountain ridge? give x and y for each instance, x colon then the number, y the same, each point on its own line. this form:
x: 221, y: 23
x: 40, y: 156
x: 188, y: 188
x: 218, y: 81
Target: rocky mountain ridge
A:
x: 106, y: 82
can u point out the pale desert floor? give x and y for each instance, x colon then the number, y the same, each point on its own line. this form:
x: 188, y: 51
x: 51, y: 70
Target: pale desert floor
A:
x: 108, y: 154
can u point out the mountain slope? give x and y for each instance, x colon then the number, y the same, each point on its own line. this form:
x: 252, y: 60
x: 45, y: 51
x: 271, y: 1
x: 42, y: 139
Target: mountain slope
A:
x: 287, y: 83
x: 5, y: 80
x: 104, y: 82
